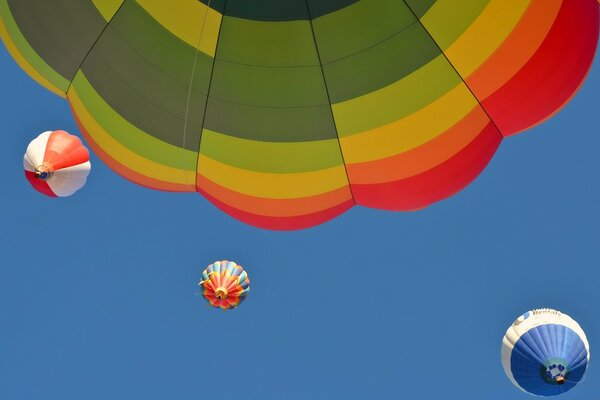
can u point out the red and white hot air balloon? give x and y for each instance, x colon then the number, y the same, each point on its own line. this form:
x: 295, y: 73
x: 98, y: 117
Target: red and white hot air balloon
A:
x: 56, y: 163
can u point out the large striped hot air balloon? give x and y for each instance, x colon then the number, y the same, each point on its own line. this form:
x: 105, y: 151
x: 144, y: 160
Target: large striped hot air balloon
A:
x: 56, y: 164
x: 224, y: 284
x: 286, y: 113
x: 545, y: 352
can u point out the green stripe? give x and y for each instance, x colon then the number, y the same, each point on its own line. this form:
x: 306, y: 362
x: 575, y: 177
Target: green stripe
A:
x: 298, y: 124
x: 271, y: 157
x: 28, y: 52
x: 377, y: 109
x: 380, y: 66
x: 268, y: 64
x: 269, y: 87
x: 127, y: 134
x: 266, y: 89
x: 143, y: 72
x: 279, y: 44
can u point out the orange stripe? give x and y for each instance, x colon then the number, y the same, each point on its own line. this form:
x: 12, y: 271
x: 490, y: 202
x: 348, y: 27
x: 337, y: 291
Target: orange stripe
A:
x: 553, y: 73
x: 422, y: 158
x: 274, y: 207
x: 516, y: 50
x: 435, y: 184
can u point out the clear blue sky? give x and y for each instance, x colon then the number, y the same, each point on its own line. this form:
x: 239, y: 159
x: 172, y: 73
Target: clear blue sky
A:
x: 98, y: 295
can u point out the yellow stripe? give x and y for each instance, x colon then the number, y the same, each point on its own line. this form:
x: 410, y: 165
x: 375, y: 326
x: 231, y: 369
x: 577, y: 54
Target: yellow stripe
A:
x: 485, y: 34
x: 272, y: 186
x: 412, y: 131
x: 122, y: 154
x: 24, y: 64
x: 184, y: 18
x: 397, y: 100
x: 107, y: 8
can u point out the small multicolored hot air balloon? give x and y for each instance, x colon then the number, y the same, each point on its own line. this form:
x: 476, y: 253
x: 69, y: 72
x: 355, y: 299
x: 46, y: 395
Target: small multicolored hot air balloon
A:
x: 545, y: 352
x: 56, y: 164
x: 225, y: 284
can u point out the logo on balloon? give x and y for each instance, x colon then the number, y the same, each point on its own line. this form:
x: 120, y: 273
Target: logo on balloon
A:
x: 522, y: 318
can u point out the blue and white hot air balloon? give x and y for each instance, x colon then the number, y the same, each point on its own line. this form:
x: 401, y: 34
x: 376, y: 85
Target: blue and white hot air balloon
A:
x: 545, y: 352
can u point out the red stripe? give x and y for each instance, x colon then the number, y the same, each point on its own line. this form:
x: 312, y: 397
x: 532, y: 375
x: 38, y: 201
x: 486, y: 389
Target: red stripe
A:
x: 64, y: 150
x: 39, y: 185
x: 436, y: 184
x: 281, y: 223
x: 553, y: 74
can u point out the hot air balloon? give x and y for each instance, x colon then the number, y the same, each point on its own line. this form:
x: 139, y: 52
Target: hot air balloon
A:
x: 545, y: 352
x: 286, y: 113
x: 225, y: 284
x: 56, y: 164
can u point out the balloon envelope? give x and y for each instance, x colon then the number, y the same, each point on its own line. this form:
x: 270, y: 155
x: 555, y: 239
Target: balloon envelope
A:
x: 56, y: 164
x: 225, y: 284
x: 287, y: 113
x: 545, y: 352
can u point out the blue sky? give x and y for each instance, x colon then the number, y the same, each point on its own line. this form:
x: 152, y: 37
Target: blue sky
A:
x: 98, y: 295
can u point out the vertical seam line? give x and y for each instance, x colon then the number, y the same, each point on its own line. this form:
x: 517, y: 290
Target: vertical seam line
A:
x: 312, y: 29
x: 455, y: 70
x: 212, y: 71
x: 93, y: 45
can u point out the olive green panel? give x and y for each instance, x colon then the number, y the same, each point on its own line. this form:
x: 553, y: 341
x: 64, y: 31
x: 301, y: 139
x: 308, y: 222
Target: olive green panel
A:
x: 270, y: 124
x: 60, y: 31
x: 144, y: 73
x: 265, y: 89
x: 267, y: 43
x: 359, y: 27
x: 381, y: 65
x: 269, y: 86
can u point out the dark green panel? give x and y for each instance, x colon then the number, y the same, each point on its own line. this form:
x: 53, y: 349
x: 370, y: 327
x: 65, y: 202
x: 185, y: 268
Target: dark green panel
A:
x: 379, y: 66
x: 278, y: 44
x: 267, y: 83
x: 319, y: 8
x: 218, y: 5
x: 298, y: 124
x: 420, y: 7
x: 360, y: 27
x: 60, y: 31
x: 269, y: 86
x: 267, y: 10
x: 144, y: 72
x: 277, y: 10
x: 268, y: 64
